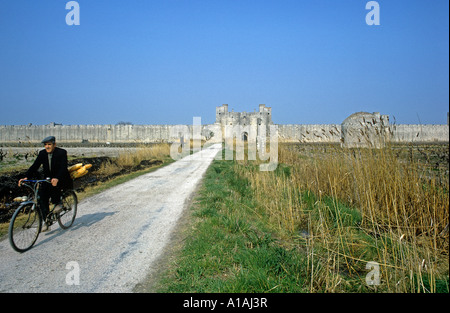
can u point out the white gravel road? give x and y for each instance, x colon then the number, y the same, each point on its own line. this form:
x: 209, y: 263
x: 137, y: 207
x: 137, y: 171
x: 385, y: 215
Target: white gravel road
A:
x: 116, y: 237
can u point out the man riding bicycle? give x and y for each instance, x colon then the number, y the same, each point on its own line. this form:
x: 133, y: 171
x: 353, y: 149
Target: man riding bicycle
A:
x: 54, y: 163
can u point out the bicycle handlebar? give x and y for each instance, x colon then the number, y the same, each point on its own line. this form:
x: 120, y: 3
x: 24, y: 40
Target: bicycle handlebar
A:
x: 33, y: 181
x: 37, y: 180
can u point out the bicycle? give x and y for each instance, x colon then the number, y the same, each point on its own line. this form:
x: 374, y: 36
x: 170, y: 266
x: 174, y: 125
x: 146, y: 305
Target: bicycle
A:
x: 26, y: 222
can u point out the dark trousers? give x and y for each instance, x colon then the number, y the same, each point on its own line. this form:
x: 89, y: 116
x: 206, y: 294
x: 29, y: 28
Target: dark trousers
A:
x: 47, y: 192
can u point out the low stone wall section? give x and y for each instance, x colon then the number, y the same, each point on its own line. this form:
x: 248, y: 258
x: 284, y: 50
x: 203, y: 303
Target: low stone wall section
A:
x: 420, y: 133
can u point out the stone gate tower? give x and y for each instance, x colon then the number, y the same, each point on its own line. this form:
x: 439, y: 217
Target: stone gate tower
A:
x: 262, y: 117
x: 244, y: 121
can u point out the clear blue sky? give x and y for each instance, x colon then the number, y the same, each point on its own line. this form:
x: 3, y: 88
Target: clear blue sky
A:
x: 165, y: 61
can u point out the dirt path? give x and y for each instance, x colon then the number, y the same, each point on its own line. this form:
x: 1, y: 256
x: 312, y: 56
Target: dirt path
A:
x: 115, y: 239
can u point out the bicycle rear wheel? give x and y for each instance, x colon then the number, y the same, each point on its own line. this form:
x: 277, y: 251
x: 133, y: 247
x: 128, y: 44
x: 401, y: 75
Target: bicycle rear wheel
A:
x: 24, y: 227
x: 67, y: 215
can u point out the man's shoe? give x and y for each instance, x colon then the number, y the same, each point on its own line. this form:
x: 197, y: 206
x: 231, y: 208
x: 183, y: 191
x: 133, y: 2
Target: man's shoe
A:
x: 45, y: 227
x: 58, y: 208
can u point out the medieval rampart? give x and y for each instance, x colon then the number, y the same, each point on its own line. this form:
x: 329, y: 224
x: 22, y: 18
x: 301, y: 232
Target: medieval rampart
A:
x: 357, y: 129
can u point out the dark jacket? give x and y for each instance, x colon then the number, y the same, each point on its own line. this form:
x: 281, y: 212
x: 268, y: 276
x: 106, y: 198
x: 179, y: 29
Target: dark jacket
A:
x: 58, y: 168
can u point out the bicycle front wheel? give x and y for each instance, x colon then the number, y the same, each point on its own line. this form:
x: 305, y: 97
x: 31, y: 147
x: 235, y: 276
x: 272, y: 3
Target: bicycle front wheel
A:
x: 24, y: 227
x: 67, y: 215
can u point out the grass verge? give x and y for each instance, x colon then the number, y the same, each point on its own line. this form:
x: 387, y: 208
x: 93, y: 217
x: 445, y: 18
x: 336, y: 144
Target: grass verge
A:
x: 230, y: 246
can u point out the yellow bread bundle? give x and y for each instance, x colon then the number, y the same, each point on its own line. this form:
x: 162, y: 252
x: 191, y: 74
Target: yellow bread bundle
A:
x: 75, y: 167
x: 79, y: 170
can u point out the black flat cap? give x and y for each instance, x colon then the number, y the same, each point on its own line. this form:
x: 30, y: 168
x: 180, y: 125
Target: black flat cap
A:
x: 51, y: 139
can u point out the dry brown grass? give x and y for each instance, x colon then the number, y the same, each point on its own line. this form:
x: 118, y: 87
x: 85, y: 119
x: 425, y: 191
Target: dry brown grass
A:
x: 346, y: 207
x: 132, y: 158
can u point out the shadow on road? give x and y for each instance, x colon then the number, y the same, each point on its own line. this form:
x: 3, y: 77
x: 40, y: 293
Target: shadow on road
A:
x: 83, y: 221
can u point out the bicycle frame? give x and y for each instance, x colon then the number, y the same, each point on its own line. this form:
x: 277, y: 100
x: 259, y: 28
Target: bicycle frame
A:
x: 35, y: 189
x: 36, y: 196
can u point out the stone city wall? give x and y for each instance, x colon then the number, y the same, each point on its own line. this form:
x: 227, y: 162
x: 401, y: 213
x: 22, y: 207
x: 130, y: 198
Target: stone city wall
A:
x: 87, y: 133
x: 420, y: 133
x: 16, y: 134
x: 310, y: 133
x: 402, y: 133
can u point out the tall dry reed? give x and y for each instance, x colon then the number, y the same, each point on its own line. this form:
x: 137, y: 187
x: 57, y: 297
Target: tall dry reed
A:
x: 351, y: 206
